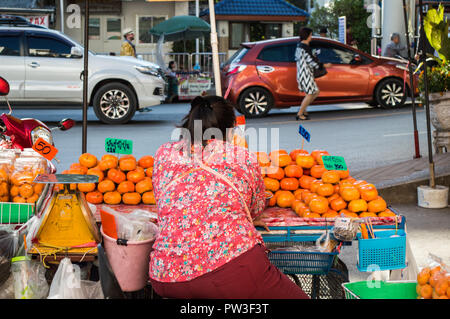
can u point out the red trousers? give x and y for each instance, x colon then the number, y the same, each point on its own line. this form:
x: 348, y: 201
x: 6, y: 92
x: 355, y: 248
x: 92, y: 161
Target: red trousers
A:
x: 248, y: 276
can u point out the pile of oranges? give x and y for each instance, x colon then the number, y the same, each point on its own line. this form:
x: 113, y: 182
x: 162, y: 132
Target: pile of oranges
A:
x: 300, y: 181
x: 120, y: 180
x: 433, y: 283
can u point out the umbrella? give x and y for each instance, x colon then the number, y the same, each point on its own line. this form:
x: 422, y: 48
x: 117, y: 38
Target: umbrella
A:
x: 181, y: 28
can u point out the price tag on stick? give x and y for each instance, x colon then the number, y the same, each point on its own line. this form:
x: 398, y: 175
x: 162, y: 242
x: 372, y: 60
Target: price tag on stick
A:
x: 47, y: 150
x: 118, y: 146
x: 304, y: 133
x: 336, y: 163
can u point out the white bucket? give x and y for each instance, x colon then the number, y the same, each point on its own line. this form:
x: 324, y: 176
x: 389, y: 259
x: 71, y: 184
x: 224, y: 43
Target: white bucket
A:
x: 428, y: 197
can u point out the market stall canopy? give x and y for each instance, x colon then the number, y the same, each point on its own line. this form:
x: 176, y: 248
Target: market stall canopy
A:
x: 182, y: 28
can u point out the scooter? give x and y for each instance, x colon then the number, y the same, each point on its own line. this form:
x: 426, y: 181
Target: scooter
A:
x: 25, y: 132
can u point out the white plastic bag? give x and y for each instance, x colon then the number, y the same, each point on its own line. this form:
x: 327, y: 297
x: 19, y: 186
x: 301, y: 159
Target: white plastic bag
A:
x: 67, y: 284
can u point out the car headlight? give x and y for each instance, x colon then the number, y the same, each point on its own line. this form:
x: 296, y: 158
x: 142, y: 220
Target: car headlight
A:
x: 147, y: 70
x: 40, y: 132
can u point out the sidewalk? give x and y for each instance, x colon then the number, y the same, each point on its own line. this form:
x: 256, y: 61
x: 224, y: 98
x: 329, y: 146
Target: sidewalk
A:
x: 428, y: 232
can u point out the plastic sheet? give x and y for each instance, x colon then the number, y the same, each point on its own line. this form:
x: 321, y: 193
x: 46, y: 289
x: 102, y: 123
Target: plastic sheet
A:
x: 29, y: 279
x: 9, y: 244
x: 67, y: 284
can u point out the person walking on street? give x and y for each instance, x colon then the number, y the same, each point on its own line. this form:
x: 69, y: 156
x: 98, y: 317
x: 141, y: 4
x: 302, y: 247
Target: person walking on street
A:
x: 128, y: 48
x: 172, y: 80
x: 394, y: 48
x: 307, y: 63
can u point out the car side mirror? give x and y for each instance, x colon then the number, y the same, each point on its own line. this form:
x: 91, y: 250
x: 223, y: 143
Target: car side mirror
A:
x: 66, y: 124
x: 4, y: 87
x: 76, y: 52
x: 357, y: 58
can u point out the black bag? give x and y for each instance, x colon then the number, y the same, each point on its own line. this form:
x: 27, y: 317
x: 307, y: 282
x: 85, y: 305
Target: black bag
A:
x: 318, y: 73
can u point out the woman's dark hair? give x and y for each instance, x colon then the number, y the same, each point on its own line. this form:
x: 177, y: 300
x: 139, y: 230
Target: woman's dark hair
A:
x: 213, y: 111
x: 171, y: 63
x: 305, y: 33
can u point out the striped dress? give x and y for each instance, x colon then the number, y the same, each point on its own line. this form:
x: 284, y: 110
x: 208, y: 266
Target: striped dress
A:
x: 306, y: 63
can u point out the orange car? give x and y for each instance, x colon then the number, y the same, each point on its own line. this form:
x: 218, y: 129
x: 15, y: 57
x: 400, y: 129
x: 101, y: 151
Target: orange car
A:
x: 262, y: 76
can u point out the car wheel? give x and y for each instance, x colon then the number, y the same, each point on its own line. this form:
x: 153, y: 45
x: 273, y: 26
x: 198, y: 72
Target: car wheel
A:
x: 115, y: 103
x: 390, y: 94
x: 255, y: 102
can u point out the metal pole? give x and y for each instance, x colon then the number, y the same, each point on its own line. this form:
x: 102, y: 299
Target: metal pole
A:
x: 61, y: 10
x: 427, y: 100
x: 215, y: 50
x: 411, y: 84
x: 197, y: 42
x: 85, y: 75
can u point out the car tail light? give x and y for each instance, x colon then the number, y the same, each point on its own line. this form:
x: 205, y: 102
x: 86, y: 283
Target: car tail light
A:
x: 236, y: 69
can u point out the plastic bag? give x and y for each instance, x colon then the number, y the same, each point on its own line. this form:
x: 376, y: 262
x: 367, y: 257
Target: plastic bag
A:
x: 23, y: 190
x: 6, y: 167
x: 9, y: 244
x: 433, y: 281
x: 134, y: 226
x: 345, y: 229
x: 7, y: 289
x: 29, y: 279
x: 67, y: 284
x: 327, y: 245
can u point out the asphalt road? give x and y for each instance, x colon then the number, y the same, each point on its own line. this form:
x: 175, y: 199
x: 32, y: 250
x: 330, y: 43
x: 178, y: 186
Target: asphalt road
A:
x: 366, y: 137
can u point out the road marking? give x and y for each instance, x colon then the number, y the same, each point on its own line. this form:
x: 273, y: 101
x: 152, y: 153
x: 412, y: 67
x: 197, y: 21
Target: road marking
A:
x: 402, y: 134
x: 338, y: 118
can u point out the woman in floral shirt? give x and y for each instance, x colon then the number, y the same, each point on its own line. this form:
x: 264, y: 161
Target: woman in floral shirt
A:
x: 209, y: 195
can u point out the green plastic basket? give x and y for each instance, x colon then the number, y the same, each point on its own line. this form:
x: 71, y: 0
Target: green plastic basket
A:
x: 386, y: 290
x: 15, y: 213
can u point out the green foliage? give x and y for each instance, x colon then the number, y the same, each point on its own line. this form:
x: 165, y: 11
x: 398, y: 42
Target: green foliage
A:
x: 436, y: 29
x: 438, y: 78
x: 356, y: 19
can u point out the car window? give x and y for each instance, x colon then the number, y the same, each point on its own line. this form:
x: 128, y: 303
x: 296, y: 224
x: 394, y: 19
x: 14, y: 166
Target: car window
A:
x: 333, y: 54
x: 47, y: 47
x: 237, y: 56
x: 9, y: 45
x: 279, y: 53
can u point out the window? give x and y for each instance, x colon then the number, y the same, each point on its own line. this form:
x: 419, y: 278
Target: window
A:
x: 145, y: 23
x: 237, y: 56
x: 272, y: 30
x: 237, y: 35
x: 10, y: 45
x: 48, y: 47
x: 333, y: 54
x: 279, y: 53
x: 94, y: 28
x: 113, y: 28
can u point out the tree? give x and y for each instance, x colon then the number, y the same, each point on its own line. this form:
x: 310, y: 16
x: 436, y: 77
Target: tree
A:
x: 356, y: 18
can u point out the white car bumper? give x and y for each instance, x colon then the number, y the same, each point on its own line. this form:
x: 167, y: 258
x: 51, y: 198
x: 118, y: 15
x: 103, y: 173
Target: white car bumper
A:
x: 150, y: 90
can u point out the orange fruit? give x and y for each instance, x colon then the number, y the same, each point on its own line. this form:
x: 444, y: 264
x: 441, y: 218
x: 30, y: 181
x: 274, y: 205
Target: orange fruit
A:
x: 86, y: 187
x: 95, y: 197
x: 317, y: 171
x: 144, y: 186
x: 305, y: 181
x: 289, y: 184
x: 294, y: 154
x: 106, y: 185
x: 330, y: 214
x: 285, y: 199
x: 108, y: 163
x: 367, y: 214
x: 38, y: 188
x: 317, y: 155
x: 298, y: 206
x: 281, y: 160
x: 357, y: 205
x: 305, y: 161
x: 97, y: 172
x: 349, y: 193
x: 131, y: 198
x: 424, y: 276
x: 319, y: 205
x: 14, y: 191
x: 78, y: 167
x: 347, y: 213
x: 149, y: 172
x: 368, y: 193
x: 112, y: 198
x: 338, y: 204
x: 4, y: 190
x: 277, y: 152
x: 116, y: 175
x: 146, y: 161
x: 333, y: 197
x: 448, y: 292
x: 436, y: 270
x: 272, y: 201
x: 126, y: 187
x: 26, y: 190
x: 426, y: 291
x: 298, y: 193
x: 315, y: 185
x: 343, y: 174
x: 441, y: 286
x: 19, y: 199
x: 308, y: 197
x: 33, y: 199
x: 325, y: 190
x: 311, y: 215
x: 271, y: 184
x: 293, y: 171
x: 127, y: 163
x: 87, y: 160
x: 135, y: 176
x: 275, y: 172
x: 148, y: 198
x: 331, y: 177
x: 3, y: 175
x: 377, y: 205
x: 387, y: 213
x: 263, y: 159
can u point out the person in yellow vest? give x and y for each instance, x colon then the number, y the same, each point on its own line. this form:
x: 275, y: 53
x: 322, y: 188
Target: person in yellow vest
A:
x: 128, y: 48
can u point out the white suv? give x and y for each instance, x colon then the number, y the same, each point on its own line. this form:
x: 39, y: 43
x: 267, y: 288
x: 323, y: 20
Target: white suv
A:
x: 45, y: 66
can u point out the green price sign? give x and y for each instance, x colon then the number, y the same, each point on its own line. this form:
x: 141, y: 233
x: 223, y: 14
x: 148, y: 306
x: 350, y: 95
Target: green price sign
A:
x: 118, y: 146
x: 336, y: 163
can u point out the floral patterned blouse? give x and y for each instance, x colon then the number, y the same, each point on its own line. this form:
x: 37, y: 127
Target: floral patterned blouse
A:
x: 203, y: 222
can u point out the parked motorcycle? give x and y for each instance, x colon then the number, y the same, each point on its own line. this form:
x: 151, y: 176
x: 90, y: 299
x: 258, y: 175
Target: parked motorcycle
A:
x: 23, y: 133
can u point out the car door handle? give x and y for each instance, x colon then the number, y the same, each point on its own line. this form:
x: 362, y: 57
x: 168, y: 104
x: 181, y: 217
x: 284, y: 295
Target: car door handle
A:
x: 34, y: 64
x: 265, y: 68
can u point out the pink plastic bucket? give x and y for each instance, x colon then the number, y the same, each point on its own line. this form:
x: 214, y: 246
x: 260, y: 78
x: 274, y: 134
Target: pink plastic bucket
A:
x: 130, y: 263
